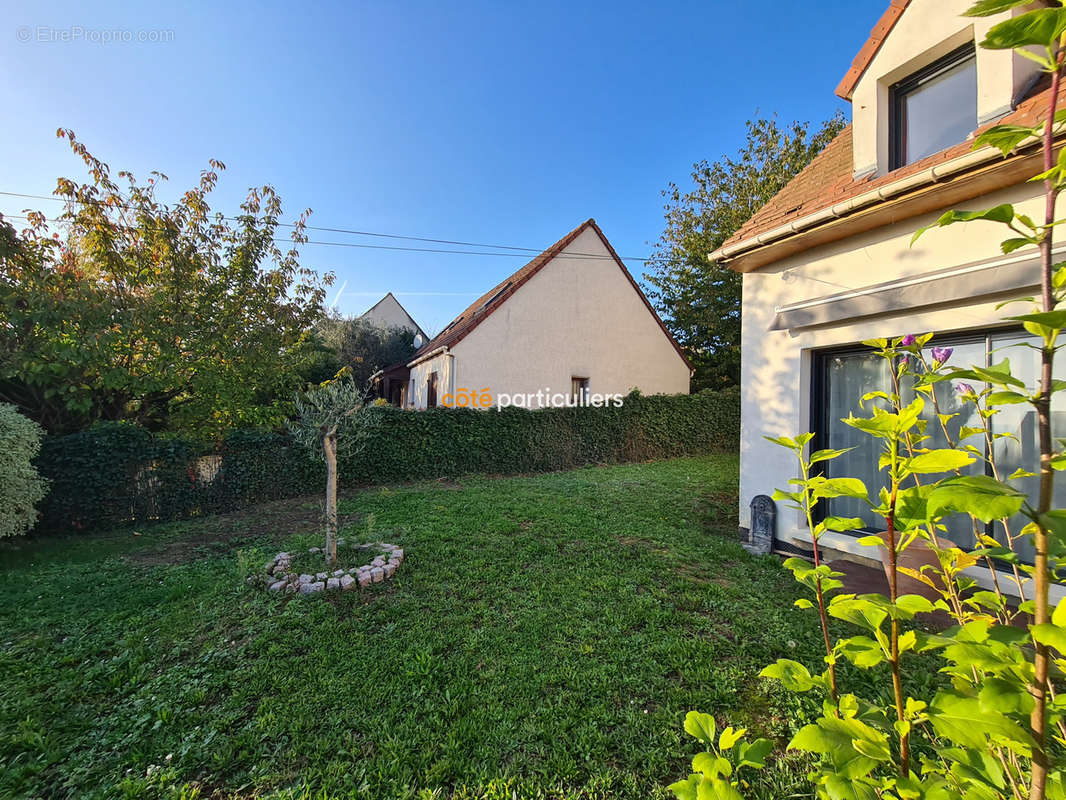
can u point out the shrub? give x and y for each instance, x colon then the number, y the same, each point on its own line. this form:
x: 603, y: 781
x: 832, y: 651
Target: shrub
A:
x: 21, y: 488
x: 116, y: 473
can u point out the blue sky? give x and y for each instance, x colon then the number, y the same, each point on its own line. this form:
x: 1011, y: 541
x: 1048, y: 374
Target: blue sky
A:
x: 498, y: 122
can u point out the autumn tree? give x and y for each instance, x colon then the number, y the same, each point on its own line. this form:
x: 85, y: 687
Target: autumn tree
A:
x: 169, y: 315
x: 700, y: 300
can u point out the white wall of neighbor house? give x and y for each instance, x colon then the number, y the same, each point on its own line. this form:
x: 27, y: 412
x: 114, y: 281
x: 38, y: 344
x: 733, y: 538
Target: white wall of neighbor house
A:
x: 776, y: 365
x: 928, y: 30
x: 390, y: 314
x: 577, y: 317
x: 444, y: 365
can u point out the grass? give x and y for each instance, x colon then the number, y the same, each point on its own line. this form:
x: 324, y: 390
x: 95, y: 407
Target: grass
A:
x: 544, y: 638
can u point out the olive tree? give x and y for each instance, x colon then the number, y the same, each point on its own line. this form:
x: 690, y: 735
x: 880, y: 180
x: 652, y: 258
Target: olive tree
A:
x: 330, y: 419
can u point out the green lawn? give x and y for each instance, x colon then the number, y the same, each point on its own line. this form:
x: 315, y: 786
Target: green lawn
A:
x: 544, y: 638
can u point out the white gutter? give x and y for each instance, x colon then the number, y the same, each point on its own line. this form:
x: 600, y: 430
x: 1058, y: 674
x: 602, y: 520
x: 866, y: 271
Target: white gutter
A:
x: 889, y: 190
x: 442, y: 349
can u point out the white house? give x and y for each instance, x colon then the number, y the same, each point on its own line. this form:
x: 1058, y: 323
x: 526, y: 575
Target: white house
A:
x: 572, y: 321
x: 388, y: 313
x: 828, y: 262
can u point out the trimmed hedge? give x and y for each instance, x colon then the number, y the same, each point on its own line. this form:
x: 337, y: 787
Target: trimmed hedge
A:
x: 115, y: 473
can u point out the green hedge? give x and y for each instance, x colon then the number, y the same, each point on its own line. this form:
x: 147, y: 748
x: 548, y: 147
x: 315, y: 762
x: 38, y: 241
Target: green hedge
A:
x: 114, y: 474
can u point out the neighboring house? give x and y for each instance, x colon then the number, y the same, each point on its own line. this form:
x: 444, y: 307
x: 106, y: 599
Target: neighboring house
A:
x: 570, y: 321
x: 828, y: 262
x: 388, y: 313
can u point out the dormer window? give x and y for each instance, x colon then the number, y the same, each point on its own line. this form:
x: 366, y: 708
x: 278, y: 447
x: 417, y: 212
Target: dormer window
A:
x: 934, y: 108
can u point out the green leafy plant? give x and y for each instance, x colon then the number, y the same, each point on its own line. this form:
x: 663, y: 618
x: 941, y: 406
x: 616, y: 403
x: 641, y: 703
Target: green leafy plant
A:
x: 21, y: 488
x: 328, y: 419
x: 994, y: 728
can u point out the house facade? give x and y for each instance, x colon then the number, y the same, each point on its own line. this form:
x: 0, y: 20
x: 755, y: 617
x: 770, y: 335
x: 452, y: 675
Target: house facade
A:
x: 571, y: 322
x: 828, y: 262
x: 388, y: 313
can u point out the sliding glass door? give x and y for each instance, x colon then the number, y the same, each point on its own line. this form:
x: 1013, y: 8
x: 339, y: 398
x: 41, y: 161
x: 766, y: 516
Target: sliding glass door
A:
x: 843, y: 376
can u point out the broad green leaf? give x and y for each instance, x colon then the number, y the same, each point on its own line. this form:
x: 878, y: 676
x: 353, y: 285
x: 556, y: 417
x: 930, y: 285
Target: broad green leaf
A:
x: 939, y: 461
x: 1047, y: 319
x: 867, y: 611
x: 730, y: 737
x: 718, y: 790
x: 1008, y: 246
x: 711, y: 765
x: 701, y: 726
x: 962, y: 720
x: 1041, y: 27
x: 686, y: 789
x: 844, y: 523
x: 986, y: 8
x: 1004, y: 138
x: 838, y: 487
x: 784, y: 441
x: 1051, y: 635
x: 908, y: 605
x: 1005, y: 696
x: 839, y: 787
x: 1002, y: 213
x: 1006, y: 398
x: 793, y: 676
x: 1058, y: 617
x: 754, y: 754
x: 862, y: 651
x: 826, y: 455
x: 980, y: 495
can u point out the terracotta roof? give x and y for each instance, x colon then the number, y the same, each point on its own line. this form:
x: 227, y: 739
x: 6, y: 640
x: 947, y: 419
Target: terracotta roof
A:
x: 480, y: 309
x: 869, y: 50
x: 828, y: 179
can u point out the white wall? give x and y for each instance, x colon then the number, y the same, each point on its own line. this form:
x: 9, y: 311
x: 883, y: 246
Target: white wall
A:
x: 390, y: 314
x: 776, y: 365
x: 576, y: 317
x: 442, y: 364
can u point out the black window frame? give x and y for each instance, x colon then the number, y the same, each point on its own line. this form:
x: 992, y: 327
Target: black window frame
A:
x: 819, y: 408
x: 898, y: 92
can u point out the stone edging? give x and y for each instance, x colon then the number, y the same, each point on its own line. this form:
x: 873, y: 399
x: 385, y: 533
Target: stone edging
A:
x: 384, y: 566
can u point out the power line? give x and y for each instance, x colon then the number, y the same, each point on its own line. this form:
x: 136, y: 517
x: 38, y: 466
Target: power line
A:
x: 522, y: 251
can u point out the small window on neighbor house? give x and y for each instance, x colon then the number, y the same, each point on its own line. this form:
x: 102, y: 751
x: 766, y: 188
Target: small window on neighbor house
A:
x: 934, y: 108
x: 579, y: 390
x: 431, y: 390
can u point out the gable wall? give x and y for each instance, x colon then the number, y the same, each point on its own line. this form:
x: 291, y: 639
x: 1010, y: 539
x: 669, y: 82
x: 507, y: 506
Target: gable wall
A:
x: 576, y: 317
x: 926, y: 31
x: 389, y: 313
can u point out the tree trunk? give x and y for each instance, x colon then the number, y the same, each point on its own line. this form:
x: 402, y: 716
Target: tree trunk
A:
x: 329, y: 447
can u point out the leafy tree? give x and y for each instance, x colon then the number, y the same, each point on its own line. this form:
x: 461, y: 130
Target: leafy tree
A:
x: 362, y: 346
x: 168, y: 315
x: 21, y: 488
x: 328, y: 421
x: 700, y: 300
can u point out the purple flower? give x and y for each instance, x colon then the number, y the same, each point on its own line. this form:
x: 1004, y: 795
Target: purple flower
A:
x: 908, y: 340
x: 942, y: 354
x: 964, y: 389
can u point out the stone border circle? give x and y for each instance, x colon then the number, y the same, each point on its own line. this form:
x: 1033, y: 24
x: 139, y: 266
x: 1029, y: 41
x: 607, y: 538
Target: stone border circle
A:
x: 278, y: 578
